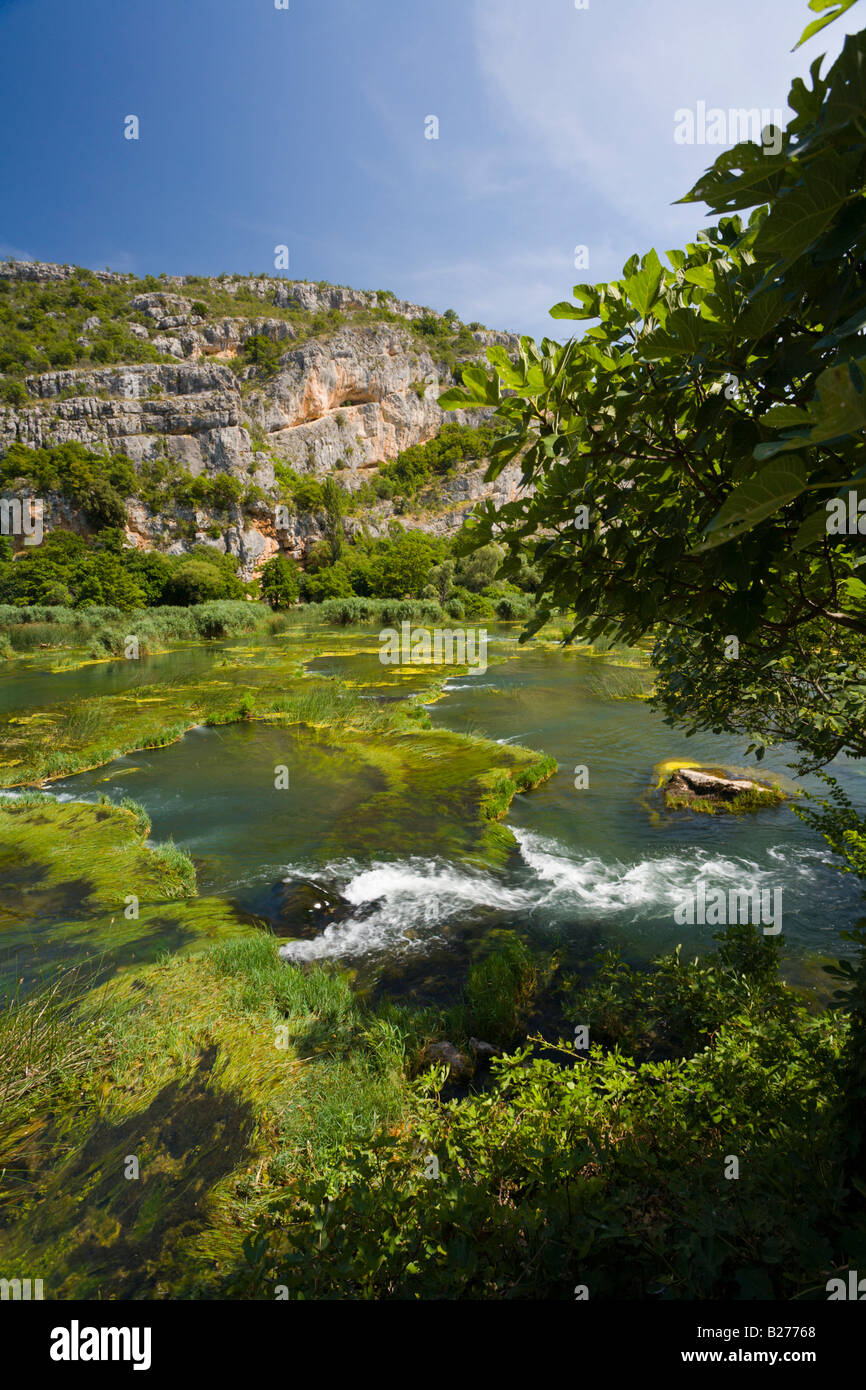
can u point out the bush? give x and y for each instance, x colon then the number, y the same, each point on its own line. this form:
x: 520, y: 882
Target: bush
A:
x: 513, y: 608
x: 194, y: 582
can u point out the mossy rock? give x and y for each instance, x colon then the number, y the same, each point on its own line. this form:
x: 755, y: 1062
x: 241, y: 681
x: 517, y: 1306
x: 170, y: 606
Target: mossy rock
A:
x: 711, y: 791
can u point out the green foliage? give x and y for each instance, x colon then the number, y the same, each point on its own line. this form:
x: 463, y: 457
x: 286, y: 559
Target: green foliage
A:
x: 206, y: 575
x: 838, y: 8
x: 40, y: 325
x: 500, y: 992
x: 302, y: 491
x: 687, y: 452
x: 598, y: 1169
x: 262, y: 352
x: 420, y: 463
x: 96, y: 483
x: 703, y: 423
x: 448, y: 340
x: 13, y: 393
x: 280, y: 582
x: 67, y: 570
x: 396, y: 566
x: 332, y: 499
x: 352, y: 611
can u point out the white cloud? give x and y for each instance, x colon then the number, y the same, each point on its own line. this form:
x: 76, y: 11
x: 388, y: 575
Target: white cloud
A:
x: 508, y: 289
x: 594, y: 92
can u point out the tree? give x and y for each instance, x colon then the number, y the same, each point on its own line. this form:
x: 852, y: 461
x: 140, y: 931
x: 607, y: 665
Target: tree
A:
x: 332, y: 497
x: 478, y: 569
x: 693, y: 456
x: 280, y: 582
x: 262, y: 352
x: 194, y: 582
x: 401, y: 567
x: 442, y: 579
x: 684, y: 451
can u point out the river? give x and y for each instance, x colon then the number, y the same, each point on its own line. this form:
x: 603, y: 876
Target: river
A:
x: 592, y: 865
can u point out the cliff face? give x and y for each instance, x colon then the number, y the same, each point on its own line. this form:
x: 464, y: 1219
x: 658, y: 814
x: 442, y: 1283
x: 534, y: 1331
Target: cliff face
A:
x: 350, y: 383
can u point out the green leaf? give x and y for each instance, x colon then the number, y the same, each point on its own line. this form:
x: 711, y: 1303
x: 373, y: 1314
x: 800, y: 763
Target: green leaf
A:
x: 839, y: 409
x: 739, y: 178
x: 800, y: 216
x: 762, y: 314
x: 702, y: 276
x: 855, y: 589
x: 780, y: 417
x: 685, y: 333
x: 643, y: 288
x: 753, y: 501
x: 505, y: 368
x: 455, y: 398
x: 812, y: 531
x: 564, y: 310
x: 839, y: 8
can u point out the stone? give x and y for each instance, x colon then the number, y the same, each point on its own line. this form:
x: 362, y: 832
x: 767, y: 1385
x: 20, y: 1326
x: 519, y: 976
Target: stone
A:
x: 460, y: 1067
x: 689, y: 781
x: 338, y: 405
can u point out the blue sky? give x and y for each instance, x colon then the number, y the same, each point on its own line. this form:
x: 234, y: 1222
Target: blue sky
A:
x: 306, y: 127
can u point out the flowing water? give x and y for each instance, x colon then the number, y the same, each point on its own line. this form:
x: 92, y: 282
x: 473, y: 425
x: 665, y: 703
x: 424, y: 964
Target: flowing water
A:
x: 340, y: 872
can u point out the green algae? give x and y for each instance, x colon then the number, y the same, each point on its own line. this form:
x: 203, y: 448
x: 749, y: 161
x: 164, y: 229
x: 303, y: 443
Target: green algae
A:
x: 222, y: 1074
x: 219, y: 1068
x: 82, y: 886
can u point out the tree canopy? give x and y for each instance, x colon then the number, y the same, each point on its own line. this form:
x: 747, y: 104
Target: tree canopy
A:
x: 694, y: 457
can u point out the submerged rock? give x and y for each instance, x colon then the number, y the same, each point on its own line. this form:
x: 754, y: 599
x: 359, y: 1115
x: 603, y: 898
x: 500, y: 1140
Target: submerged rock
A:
x: 460, y: 1067
x: 301, y: 907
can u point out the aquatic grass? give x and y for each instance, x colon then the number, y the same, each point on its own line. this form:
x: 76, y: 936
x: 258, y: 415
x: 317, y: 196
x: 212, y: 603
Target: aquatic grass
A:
x: 26, y: 799
x: 502, y: 785
x: 353, y: 1080
x: 178, y: 868
x: 738, y: 805
x: 385, y: 612
x: 264, y: 980
x: 104, y: 632
x: 50, y: 1053
x: 142, y: 817
x: 501, y: 991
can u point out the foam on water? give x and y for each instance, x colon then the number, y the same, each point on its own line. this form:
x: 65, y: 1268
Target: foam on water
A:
x: 389, y: 899
x: 417, y: 894
x: 651, y: 886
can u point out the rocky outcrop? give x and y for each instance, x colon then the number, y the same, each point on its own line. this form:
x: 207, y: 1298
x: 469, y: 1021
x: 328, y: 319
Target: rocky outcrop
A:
x: 344, y: 403
x: 689, y: 786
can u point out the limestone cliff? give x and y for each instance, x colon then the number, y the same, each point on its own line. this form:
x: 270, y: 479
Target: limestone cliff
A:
x: 350, y: 382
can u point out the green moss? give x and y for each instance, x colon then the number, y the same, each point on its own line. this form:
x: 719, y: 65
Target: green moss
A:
x: 717, y: 805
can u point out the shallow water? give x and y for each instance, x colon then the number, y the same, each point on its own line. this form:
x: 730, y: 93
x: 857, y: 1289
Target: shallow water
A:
x: 30, y: 688
x: 601, y: 865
